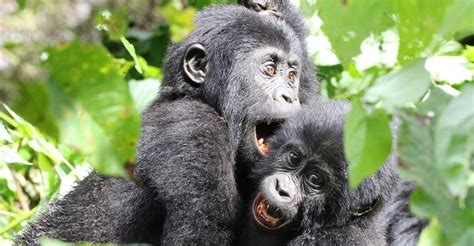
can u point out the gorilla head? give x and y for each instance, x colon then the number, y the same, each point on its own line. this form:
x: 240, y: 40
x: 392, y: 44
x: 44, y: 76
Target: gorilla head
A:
x: 246, y: 65
x: 301, y: 186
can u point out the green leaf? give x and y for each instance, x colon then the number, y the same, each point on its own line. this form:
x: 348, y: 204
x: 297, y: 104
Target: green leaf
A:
x: 31, y: 105
x: 180, y: 21
x: 123, y: 65
x: 44, y: 163
x: 114, y: 23
x: 458, y: 20
x: 457, y: 179
x: 422, y: 204
x: 422, y: 24
x: 9, y: 155
x: 453, y: 129
x: 435, y: 103
x: 432, y: 198
x: 469, y: 53
x: 432, y: 235
x: 131, y: 51
x: 7, y: 177
x: 401, y: 88
x: 452, y: 69
x: 21, y: 4
x: 418, y: 21
x: 467, y: 238
x: 347, y: 23
x: 92, y: 106
x: 367, y: 141
x: 4, y: 135
x: 144, y: 92
x: 148, y: 70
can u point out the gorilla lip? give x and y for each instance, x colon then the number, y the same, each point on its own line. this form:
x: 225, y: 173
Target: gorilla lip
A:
x: 266, y: 215
x: 262, y: 132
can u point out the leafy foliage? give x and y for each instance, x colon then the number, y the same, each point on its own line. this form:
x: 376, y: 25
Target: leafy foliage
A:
x: 82, y: 83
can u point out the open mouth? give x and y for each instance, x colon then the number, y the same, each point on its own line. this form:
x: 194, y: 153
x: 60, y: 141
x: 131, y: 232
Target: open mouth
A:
x: 267, y: 215
x: 262, y: 132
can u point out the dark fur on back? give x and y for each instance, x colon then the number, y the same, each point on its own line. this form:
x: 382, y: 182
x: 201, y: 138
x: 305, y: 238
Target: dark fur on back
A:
x: 404, y: 228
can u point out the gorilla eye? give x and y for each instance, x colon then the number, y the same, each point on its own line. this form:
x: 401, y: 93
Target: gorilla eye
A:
x: 294, y: 158
x: 315, y: 182
x: 292, y: 76
x: 270, y: 69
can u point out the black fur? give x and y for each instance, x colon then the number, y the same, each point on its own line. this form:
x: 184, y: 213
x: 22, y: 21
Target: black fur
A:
x: 404, y: 228
x: 188, y: 142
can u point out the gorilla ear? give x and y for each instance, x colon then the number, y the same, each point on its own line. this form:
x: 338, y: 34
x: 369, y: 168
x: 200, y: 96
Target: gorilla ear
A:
x: 195, y: 63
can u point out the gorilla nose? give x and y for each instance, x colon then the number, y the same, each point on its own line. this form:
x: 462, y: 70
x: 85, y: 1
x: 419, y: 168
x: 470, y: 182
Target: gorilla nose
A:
x: 283, y: 95
x: 283, y: 187
x: 281, y: 191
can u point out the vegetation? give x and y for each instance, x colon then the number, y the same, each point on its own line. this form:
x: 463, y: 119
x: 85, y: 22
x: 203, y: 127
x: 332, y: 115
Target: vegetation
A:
x: 79, y: 73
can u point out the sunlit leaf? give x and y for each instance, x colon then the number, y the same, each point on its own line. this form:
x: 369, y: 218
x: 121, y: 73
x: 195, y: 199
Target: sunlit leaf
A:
x: 367, y: 141
x: 456, y: 119
x: 435, y: 103
x: 44, y: 163
x: 401, y: 88
x: 4, y: 135
x: 114, y: 23
x: 452, y: 69
x: 144, y: 92
x: 347, y: 23
x: 180, y: 21
x: 131, y: 51
x: 469, y: 53
x: 8, y: 155
x: 94, y: 110
x: 432, y: 235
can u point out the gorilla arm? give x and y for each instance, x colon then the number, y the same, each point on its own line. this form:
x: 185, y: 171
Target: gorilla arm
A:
x: 184, y: 156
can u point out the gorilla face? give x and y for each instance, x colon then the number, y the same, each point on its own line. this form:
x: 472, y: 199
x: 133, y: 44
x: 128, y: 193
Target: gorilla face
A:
x: 252, y: 79
x: 276, y: 74
x: 302, y: 185
x: 298, y: 171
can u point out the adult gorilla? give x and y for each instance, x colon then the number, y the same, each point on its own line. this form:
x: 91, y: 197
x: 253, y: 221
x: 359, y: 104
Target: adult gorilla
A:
x: 235, y: 77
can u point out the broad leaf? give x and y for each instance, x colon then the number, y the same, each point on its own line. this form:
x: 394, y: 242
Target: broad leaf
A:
x: 367, y: 141
x: 347, y: 23
x: 92, y: 105
x: 401, y: 88
x: 144, y: 92
x: 454, y: 127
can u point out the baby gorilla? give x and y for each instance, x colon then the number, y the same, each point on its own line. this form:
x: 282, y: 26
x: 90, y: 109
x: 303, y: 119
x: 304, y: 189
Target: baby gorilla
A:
x: 302, y: 195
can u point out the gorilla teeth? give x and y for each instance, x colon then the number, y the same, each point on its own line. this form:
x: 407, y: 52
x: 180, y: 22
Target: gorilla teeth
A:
x: 262, y: 146
x: 266, y: 215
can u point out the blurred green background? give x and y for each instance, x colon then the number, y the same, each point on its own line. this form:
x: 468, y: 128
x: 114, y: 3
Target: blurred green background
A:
x: 74, y: 76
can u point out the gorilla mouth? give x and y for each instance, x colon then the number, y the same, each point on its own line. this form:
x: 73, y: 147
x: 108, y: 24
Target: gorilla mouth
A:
x: 267, y: 215
x: 262, y: 132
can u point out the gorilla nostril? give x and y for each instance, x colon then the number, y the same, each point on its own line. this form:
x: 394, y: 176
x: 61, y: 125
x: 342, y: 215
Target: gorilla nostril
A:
x: 283, y: 95
x: 287, y: 98
x: 281, y: 192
